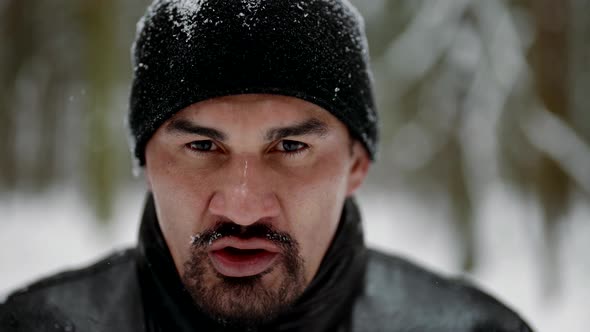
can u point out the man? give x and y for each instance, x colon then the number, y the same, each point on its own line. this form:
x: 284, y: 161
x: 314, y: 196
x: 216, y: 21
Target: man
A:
x: 254, y: 123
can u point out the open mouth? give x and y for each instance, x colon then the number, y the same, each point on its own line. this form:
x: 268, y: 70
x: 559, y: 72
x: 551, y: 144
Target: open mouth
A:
x: 242, y: 260
x: 231, y: 253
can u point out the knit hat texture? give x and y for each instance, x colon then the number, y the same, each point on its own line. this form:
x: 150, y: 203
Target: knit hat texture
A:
x: 188, y: 51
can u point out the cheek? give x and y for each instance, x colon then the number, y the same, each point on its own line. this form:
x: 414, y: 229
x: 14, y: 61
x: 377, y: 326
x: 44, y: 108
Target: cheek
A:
x: 180, y: 201
x: 179, y: 186
x: 313, y: 201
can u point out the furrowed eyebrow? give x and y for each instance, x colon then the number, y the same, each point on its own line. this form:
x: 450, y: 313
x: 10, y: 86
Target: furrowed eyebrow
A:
x: 310, y: 127
x: 181, y: 126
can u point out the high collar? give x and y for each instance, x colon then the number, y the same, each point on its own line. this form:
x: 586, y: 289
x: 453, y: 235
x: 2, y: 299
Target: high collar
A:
x: 325, y: 305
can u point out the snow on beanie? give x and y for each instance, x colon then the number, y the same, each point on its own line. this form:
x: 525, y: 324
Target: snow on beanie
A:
x: 188, y: 51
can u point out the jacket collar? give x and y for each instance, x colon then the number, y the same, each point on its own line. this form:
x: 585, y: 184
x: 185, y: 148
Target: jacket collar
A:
x: 326, y: 303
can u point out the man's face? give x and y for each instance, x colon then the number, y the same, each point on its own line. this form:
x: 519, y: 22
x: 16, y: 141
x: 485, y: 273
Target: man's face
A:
x: 248, y: 191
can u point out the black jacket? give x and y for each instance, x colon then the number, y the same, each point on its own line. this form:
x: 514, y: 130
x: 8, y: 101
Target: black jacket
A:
x: 355, y: 289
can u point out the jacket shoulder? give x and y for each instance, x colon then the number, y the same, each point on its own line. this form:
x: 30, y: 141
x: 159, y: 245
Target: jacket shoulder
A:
x: 103, y: 294
x: 410, y: 297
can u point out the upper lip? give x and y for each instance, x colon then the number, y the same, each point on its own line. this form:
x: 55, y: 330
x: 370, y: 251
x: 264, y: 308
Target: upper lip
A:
x: 244, y: 244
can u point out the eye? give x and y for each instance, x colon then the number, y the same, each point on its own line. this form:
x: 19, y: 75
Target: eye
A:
x: 289, y: 146
x: 202, y: 146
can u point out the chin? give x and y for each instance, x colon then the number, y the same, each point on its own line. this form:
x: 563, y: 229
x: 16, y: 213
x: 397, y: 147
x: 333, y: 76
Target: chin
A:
x: 244, y: 301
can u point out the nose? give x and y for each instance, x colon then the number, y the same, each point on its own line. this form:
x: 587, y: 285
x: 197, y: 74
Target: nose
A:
x: 245, y: 195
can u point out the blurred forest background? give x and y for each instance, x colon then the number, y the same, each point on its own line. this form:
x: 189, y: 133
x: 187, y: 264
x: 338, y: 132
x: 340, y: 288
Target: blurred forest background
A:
x: 472, y: 94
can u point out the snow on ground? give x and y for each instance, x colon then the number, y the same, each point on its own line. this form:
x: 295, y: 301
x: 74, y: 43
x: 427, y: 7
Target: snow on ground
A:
x: 46, y: 233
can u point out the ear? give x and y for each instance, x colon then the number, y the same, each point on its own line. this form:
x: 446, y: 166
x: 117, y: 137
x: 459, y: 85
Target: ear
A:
x: 359, y: 168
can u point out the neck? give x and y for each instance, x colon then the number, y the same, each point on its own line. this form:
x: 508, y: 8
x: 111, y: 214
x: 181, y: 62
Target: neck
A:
x: 325, y: 304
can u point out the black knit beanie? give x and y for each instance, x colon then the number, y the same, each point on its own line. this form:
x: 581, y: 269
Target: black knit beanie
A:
x: 188, y: 51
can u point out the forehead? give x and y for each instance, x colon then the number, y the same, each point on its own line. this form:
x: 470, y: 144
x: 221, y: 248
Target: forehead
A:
x: 255, y: 110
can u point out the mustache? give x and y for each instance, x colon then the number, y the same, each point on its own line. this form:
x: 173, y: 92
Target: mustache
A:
x: 258, y: 230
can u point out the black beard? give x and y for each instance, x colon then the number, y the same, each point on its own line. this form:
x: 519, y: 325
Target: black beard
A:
x: 243, y: 302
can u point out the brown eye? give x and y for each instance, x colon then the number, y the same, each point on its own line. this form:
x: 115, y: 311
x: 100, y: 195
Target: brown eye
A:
x: 202, y: 146
x: 291, y: 146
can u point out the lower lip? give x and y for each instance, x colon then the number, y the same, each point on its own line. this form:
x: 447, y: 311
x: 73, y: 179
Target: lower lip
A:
x: 242, y: 265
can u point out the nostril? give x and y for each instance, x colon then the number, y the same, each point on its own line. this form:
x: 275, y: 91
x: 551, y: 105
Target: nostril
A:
x: 271, y: 205
x: 217, y: 203
x: 244, y: 209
